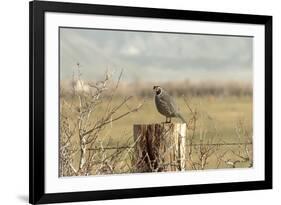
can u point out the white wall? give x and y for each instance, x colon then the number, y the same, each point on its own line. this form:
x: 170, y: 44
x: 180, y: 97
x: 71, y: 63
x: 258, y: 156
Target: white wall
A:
x: 14, y: 99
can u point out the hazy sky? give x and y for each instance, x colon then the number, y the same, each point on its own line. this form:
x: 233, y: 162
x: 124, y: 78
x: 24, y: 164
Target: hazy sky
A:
x: 155, y: 56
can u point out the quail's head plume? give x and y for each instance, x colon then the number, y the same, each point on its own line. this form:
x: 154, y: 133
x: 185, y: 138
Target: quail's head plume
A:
x: 165, y: 104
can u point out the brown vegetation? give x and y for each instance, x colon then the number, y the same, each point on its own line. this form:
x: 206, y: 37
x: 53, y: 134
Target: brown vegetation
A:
x: 88, y: 113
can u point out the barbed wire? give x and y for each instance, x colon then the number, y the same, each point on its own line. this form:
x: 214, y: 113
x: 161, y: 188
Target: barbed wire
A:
x: 193, y: 145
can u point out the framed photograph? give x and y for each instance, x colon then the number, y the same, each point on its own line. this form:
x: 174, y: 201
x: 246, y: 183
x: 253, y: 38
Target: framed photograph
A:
x: 130, y: 102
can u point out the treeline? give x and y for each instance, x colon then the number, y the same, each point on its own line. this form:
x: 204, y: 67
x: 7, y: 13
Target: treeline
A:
x: 185, y: 88
x: 202, y: 89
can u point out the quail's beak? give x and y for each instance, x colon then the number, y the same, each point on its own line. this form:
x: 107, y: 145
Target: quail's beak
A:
x: 155, y: 88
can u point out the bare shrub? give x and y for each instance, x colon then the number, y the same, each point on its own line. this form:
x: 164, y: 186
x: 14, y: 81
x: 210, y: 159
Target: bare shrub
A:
x: 218, y: 153
x: 80, y: 132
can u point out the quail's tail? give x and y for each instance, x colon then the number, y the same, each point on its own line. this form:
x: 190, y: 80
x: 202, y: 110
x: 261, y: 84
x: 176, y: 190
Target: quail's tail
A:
x: 182, y: 119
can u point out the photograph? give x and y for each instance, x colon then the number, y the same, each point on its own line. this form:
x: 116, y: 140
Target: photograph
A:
x: 136, y: 101
x: 132, y: 102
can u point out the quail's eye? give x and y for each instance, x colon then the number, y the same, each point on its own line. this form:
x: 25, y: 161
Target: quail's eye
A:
x: 158, y: 91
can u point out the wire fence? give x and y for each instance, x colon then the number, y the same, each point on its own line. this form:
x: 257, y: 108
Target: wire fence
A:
x: 193, y: 145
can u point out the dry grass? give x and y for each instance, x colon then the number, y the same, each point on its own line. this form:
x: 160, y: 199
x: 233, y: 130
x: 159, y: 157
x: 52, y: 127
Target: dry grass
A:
x: 90, y: 125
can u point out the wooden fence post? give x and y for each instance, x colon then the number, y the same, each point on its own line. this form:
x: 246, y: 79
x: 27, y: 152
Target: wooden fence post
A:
x: 159, y: 147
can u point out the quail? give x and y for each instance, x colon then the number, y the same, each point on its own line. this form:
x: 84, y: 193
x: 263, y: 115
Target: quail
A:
x: 166, y: 105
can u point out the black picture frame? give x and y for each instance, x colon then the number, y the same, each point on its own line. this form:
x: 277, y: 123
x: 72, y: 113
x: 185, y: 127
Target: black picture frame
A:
x: 37, y: 98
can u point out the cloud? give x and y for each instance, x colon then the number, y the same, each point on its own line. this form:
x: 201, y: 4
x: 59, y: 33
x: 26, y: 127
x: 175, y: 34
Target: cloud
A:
x: 149, y: 56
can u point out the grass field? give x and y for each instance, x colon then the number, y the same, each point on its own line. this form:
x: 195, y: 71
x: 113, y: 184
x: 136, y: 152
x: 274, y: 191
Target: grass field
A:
x: 223, y: 120
x: 216, y: 116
